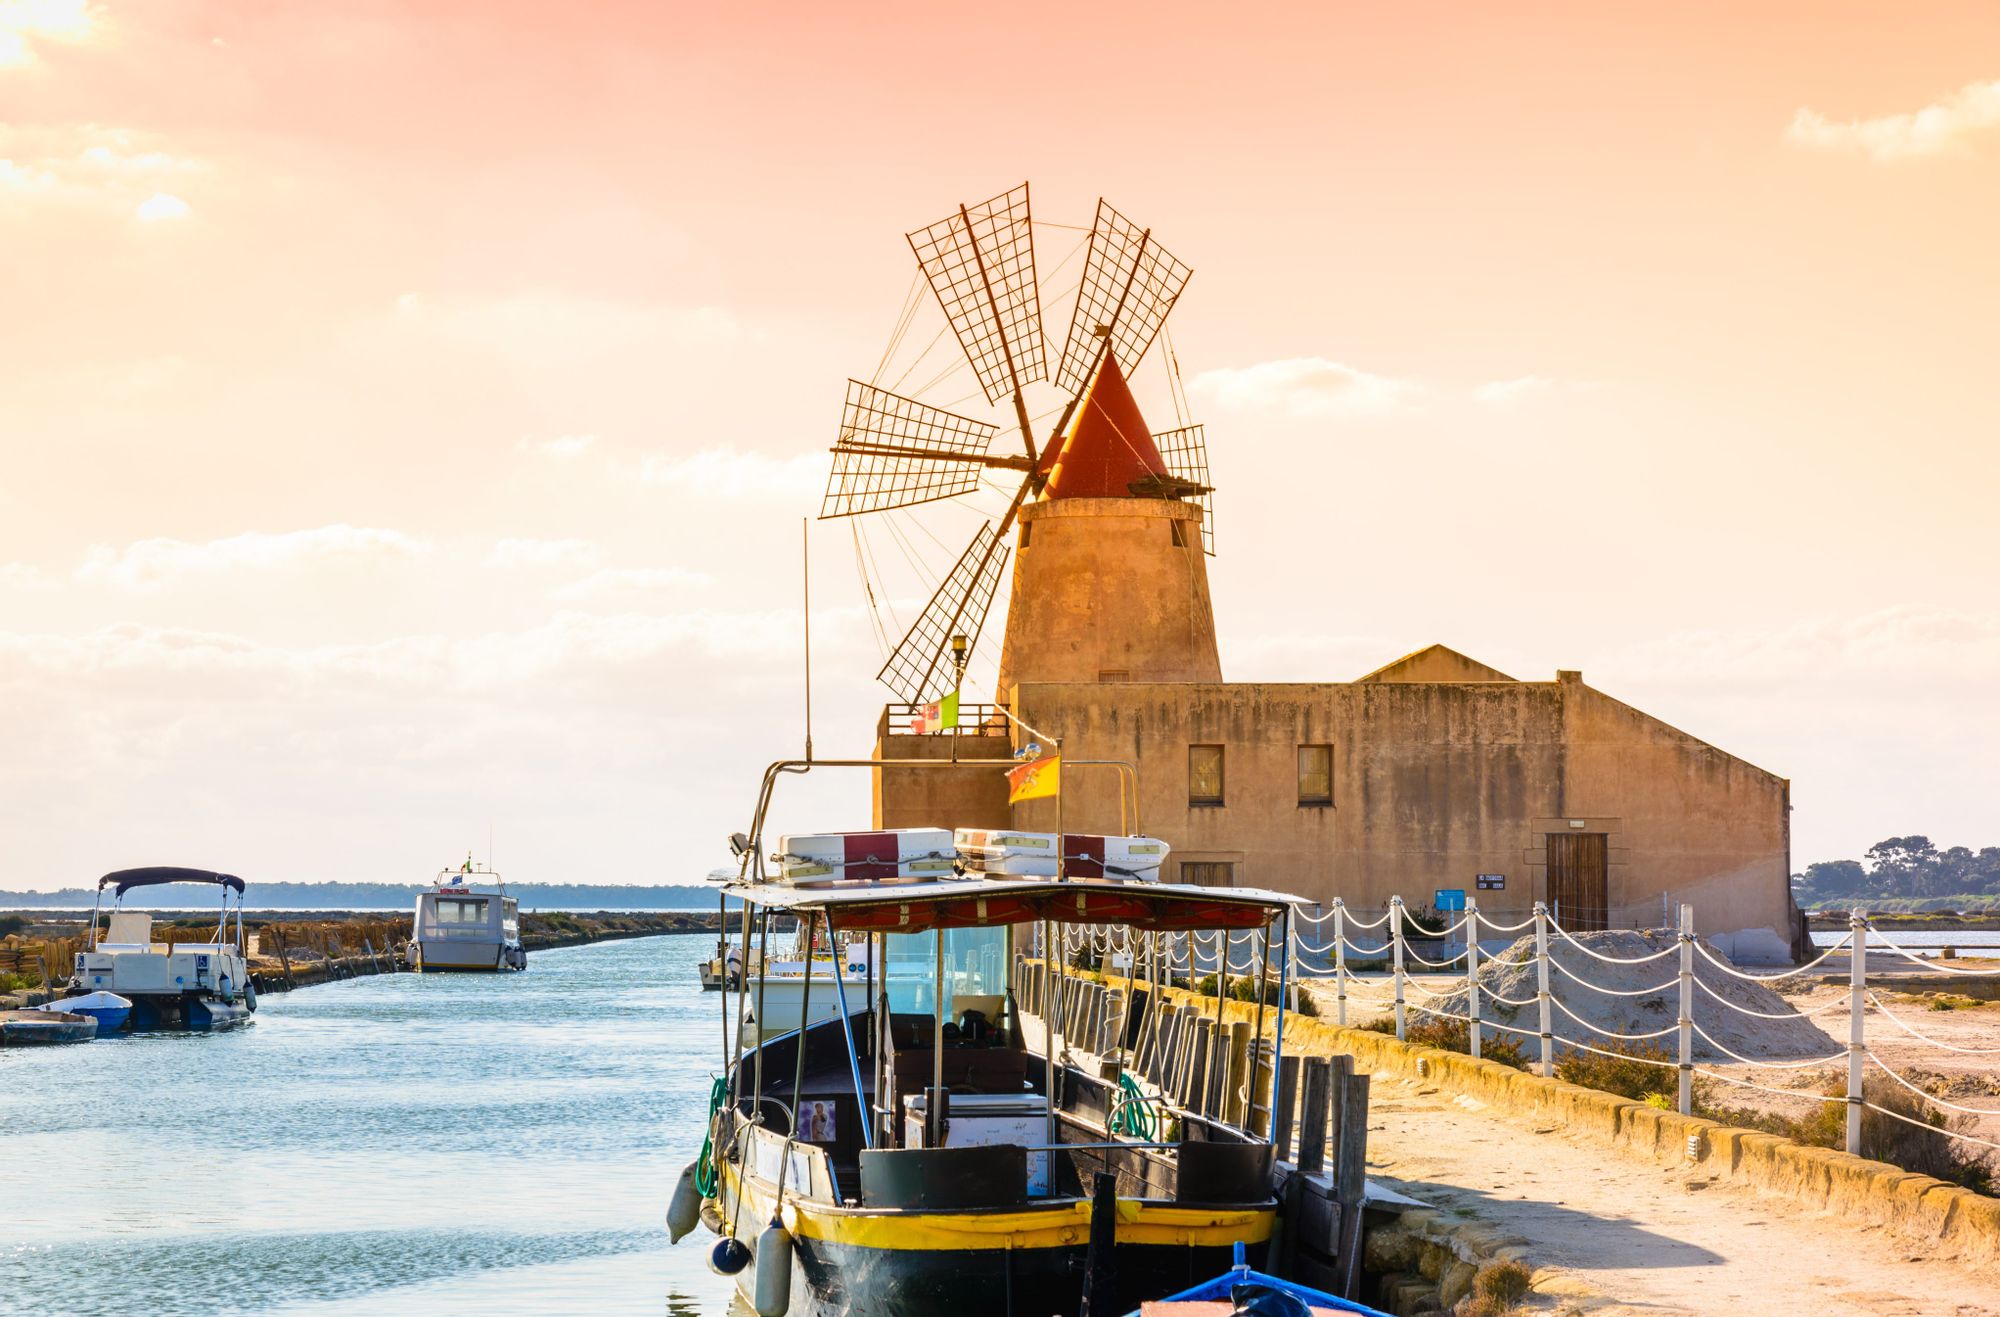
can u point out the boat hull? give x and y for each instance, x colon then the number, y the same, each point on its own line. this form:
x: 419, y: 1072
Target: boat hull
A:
x: 464, y: 958
x: 36, y: 1028
x: 1003, y: 1262
x: 185, y: 1013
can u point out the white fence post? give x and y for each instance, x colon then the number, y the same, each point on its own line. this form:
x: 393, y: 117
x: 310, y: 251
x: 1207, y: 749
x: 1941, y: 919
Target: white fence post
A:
x: 1857, y: 987
x: 1340, y: 960
x: 1396, y: 930
x: 1687, y: 1010
x: 1472, y: 973
x: 1542, y: 987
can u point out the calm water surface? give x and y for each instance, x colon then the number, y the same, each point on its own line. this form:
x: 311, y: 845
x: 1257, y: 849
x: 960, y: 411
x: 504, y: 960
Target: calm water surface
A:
x: 1979, y: 943
x: 434, y: 1143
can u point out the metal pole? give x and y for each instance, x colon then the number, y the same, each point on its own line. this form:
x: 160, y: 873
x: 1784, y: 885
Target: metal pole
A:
x: 1062, y: 843
x: 931, y: 1113
x: 1278, y: 1044
x: 847, y: 1028
x: 1857, y: 987
x: 1396, y: 932
x: 1687, y: 1010
x: 1051, y: 1006
x: 1542, y: 987
x: 805, y: 561
x: 1472, y: 973
x: 1340, y: 960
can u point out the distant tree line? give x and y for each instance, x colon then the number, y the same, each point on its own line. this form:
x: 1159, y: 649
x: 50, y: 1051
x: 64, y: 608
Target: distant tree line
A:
x: 377, y: 896
x: 1902, y: 869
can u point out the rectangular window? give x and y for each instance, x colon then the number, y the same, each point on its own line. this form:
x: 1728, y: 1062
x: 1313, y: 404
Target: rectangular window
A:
x: 1180, y: 536
x: 1315, y: 775
x: 1114, y: 674
x: 1204, y: 775
x: 1208, y: 873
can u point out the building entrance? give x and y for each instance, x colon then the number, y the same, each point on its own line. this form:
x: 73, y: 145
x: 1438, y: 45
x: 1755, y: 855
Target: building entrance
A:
x: 1579, y: 895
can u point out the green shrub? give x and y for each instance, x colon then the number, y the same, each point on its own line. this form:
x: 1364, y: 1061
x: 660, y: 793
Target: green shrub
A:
x: 1636, y: 1073
x: 12, y: 924
x: 1454, y: 1036
x: 1502, y: 1282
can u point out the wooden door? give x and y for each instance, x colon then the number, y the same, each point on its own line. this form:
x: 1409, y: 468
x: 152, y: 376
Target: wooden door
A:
x: 1579, y: 896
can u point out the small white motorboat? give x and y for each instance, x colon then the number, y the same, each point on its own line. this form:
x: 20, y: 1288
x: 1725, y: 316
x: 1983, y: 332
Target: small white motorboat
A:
x: 200, y: 984
x: 111, y: 1011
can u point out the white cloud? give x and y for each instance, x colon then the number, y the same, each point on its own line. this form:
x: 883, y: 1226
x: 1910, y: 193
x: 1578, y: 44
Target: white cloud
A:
x: 624, y: 580
x: 1304, y: 387
x: 149, y: 564
x: 563, y: 445
x: 1938, y: 129
x: 1505, y: 393
x: 162, y: 206
x: 543, y: 553
x: 727, y: 473
x: 545, y: 331
x: 25, y: 178
x: 23, y: 22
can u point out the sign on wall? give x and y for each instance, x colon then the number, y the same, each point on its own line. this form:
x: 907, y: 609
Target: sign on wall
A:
x: 1492, y: 882
x: 1449, y: 898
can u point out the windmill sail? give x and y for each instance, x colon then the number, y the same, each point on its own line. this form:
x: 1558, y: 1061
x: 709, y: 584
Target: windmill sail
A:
x: 895, y: 452
x: 920, y: 670
x: 1186, y: 454
x: 980, y: 262
x: 1130, y: 283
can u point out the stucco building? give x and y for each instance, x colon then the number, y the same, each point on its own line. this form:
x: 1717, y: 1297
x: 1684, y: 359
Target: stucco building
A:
x: 1433, y: 774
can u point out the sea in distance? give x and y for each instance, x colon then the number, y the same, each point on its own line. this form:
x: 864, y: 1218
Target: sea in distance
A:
x: 434, y: 1143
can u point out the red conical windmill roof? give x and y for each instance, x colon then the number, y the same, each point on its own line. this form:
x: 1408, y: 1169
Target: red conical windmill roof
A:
x: 1108, y: 446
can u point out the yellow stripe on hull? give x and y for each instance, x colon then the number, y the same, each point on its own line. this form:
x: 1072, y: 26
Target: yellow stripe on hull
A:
x: 1061, y: 1224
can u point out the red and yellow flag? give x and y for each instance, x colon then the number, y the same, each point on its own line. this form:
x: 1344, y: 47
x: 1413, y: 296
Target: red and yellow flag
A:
x: 1035, y: 780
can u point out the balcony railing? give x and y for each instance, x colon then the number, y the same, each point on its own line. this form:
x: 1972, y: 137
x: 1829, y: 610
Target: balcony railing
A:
x: 973, y: 720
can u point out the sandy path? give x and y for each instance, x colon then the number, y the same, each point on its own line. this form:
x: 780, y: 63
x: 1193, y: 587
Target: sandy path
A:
x: 1650, y: 1239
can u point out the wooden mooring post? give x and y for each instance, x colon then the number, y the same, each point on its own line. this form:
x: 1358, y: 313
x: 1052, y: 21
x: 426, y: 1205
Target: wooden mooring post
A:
x: 1323, y: 1189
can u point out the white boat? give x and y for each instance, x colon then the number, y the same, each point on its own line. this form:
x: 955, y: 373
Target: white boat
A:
x: 194, y: 984
x: 773, y: 1001
x: 466, y: 922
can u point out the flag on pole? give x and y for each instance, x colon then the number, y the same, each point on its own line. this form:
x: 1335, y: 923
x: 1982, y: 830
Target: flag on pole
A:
x: 937, y: 716
x: 1033, y: 781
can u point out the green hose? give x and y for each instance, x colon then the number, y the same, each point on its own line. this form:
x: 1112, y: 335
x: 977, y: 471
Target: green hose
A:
x: 1134, y: 1117
x: 705, y: 1179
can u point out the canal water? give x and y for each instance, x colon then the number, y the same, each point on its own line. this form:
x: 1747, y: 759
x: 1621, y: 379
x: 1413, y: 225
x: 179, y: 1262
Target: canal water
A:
x: 405, y: 1143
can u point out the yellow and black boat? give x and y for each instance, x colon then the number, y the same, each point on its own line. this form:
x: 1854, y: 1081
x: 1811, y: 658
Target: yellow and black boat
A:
x: 938, y: 1147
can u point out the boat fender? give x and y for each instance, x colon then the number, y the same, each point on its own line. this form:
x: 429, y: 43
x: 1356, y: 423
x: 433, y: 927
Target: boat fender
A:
x: 684, y: 1208
x: 773, y: 1294
x: 729, y: 1256
x: 250, y: 994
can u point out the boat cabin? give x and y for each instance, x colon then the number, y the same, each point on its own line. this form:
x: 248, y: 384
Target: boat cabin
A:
x: 467, y: 922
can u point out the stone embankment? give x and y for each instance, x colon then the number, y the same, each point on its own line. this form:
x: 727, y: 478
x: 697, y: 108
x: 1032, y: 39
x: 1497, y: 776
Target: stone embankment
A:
x: 297, y: 955
x: 295, y: 951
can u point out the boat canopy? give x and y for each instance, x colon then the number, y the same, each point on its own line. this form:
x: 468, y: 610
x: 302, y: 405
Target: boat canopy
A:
x: 127, y: 879
x: 891, y: 907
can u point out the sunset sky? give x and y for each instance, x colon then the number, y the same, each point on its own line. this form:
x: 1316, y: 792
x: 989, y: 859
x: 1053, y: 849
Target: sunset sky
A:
x: 407, y: 411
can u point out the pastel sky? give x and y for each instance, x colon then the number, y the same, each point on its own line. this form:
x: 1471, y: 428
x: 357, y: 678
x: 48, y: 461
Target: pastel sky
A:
x: 407, y: 411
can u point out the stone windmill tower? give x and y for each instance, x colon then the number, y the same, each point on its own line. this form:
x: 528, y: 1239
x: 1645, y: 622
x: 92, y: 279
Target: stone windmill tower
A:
x: 1113, y: 522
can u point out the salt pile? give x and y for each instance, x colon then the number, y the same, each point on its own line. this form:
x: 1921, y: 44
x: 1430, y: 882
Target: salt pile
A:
x: 1574, y: 980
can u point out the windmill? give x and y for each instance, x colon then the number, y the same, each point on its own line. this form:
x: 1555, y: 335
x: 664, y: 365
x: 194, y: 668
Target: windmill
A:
x: 897, y: 452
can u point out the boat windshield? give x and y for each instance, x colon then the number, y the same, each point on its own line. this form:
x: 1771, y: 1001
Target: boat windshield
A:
x: 461, y: 910
x: 975, y: 966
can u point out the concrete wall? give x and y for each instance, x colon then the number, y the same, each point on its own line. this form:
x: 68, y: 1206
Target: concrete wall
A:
x: 973, y: 796
x: 1434, y: 783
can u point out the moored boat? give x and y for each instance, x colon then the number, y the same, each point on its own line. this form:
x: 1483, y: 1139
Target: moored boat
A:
x: 188, y: 982
x: 1242, y: 1289
x: 111, y: 1011
x: 465, y: 924
x: 32, y: 1027
x: 935, y: 1147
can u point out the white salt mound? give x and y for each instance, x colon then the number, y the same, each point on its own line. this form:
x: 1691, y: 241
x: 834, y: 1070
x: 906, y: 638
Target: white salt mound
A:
x: 1574, y: 980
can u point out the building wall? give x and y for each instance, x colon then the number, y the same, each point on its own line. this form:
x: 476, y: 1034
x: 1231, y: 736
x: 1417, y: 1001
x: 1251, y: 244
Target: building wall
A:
x: 1434, y: 783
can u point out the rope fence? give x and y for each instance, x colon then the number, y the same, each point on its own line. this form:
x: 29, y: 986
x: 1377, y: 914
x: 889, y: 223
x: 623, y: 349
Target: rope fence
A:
x: 1318, y: 947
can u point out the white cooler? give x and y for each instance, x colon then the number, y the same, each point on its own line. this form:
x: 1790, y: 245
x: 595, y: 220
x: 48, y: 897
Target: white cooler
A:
x: 983, y: 1120
x: 826, y: 857
x: 1085, y: 855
